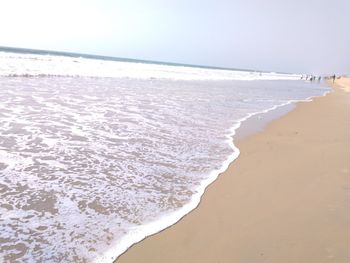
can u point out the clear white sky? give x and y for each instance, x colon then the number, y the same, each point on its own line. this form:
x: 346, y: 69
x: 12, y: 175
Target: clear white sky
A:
x: 280, y: 35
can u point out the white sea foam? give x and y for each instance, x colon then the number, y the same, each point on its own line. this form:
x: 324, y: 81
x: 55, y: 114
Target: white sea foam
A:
x: 14, y: 64
x: 97, y: 164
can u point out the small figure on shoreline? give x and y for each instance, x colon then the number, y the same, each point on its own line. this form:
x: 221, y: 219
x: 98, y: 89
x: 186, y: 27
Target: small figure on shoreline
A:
x: 333, y: 77
x: 312, y: 78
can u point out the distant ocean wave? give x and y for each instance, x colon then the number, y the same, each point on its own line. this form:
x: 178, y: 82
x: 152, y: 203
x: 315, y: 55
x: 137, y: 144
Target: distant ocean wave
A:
x: 39, y: 65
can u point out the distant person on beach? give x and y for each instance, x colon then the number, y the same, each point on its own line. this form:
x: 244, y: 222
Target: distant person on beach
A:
x: 319, y: 79
x: 333, y: 77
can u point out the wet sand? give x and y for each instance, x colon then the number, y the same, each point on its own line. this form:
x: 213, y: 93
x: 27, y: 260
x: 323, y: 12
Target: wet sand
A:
x: 285, y: 199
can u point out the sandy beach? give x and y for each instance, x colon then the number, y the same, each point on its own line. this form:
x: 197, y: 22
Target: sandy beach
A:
x: 285, y: 199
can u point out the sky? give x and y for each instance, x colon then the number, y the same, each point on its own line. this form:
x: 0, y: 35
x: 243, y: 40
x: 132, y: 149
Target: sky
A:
x: 299, y: 36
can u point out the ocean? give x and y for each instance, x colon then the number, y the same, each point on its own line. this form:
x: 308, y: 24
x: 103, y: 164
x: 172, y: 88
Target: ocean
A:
x: 97, y: 153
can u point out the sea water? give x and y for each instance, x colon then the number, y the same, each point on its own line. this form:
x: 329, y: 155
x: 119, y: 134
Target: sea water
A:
x: 96, y: 154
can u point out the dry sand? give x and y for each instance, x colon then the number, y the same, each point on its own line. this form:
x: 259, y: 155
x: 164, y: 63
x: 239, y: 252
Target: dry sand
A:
x: 285, y: 199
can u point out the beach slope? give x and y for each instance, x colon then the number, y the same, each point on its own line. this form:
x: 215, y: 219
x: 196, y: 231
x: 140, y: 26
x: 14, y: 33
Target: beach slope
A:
x: 285, y: 199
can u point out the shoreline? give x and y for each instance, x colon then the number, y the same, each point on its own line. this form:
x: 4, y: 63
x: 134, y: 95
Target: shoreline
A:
x: 245, y: 127
x: 138, y: 251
